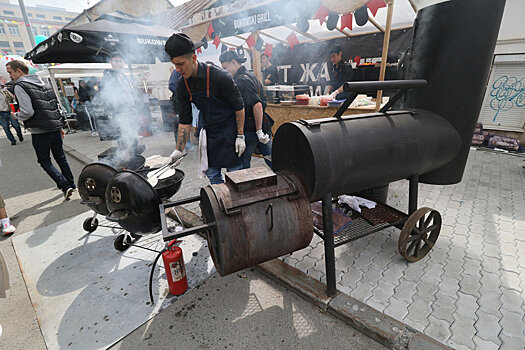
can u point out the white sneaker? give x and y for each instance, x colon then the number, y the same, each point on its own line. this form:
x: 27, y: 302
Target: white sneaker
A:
x: 94, y: 133
x: 68, y: 193
x: 8, y: 230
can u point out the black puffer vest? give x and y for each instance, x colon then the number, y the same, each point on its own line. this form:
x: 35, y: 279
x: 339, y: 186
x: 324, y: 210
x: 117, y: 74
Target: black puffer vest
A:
x: 45, y: 104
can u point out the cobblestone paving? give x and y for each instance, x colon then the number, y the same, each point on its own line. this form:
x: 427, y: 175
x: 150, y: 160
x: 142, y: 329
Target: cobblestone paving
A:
x: 469, y: 291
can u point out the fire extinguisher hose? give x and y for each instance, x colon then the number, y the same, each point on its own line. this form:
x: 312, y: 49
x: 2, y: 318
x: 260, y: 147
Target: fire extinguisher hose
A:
x: 152, y: 272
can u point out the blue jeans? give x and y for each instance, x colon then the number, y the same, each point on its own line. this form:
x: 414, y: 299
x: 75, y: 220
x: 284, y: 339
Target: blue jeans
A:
x: 252, y: 141
x: 52, y: 142
x: 5, y: 119
x: 215, y: 176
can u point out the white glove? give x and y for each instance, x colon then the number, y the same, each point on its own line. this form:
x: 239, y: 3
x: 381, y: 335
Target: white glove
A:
x: 263, y: 138
x: 333, y: 95
x: 176, y: 155
x: 240, y: 145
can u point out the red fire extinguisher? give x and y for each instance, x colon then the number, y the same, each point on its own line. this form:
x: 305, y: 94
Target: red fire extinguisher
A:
x: 175, y: 270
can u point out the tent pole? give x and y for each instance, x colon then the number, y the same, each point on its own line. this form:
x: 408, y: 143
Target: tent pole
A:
x: 55, y: 87
x: 256, y: 60
x: 130, y: 68
x: 384, y: 56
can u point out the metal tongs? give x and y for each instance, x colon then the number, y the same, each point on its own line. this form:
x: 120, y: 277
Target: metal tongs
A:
x: 153, y: 176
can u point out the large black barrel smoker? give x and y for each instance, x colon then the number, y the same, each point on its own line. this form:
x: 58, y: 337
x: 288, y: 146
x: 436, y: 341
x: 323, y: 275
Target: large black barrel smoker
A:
x: 426, y: 142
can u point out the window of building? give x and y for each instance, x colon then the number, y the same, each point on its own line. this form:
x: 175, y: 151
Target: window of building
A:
x: 57, y: 18
x: 44, y: 31
x: 9, y: 13
x: 18, y: 44
x: 38, y: 15
x: 30, y: 14
x: 2, y: 29
x: 13, y: 30
x: 4, y: 44
x: 69, y: 18
x: 20, y: 52
x: 33, y: 29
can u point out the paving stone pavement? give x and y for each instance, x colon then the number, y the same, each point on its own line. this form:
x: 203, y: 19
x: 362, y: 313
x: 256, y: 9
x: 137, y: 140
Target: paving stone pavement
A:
x: 469, y: 291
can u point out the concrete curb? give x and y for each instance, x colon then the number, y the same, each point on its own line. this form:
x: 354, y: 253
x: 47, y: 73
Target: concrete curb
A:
x: 77, y: 155
x: 378, y: 326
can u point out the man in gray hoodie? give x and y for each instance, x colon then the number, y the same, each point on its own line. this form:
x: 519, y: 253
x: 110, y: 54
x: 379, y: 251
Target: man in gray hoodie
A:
x: 40, y: 113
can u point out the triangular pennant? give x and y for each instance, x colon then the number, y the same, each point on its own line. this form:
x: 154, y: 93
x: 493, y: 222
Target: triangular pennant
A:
x: 268, y: 48
x: 199, y: 50
x: 292, y: 40
x: 250, y: 41
x: 374, y: 5
x: 259, y: 44
x: 210, y: 30
x: 321, y: 13
x: 216, y: 41
x: 346, y: 20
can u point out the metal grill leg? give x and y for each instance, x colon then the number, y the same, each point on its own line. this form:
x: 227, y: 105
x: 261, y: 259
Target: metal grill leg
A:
x: 329, y: 255
x: 413, y: 184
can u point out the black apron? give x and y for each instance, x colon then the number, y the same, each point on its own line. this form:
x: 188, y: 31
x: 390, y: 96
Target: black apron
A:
x: 219, y: 121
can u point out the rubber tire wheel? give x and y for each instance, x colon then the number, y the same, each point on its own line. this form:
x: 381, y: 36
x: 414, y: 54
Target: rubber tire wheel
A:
x: 122, y: 242
x: 90, y: 224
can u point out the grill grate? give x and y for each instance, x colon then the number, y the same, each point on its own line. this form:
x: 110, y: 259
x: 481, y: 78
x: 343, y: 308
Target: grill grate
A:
x: 365, y: 223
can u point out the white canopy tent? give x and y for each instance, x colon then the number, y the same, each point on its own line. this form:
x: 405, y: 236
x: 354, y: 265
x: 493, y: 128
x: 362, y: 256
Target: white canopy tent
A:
x: 71, y: 70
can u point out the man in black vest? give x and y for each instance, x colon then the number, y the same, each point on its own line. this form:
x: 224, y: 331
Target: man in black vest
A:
x: 40, y: 113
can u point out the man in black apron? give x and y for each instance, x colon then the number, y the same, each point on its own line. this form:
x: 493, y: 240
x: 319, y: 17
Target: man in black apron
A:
x: 340, y: 73
x: 215, y: 94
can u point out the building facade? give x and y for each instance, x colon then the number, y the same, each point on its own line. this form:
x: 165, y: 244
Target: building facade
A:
x: 45, y: 20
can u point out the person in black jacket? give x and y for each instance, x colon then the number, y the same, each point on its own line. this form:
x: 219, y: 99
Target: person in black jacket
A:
x: 340, y: 73
x: 270, y: 72
x: 254, y: 105
x: 40, y: 113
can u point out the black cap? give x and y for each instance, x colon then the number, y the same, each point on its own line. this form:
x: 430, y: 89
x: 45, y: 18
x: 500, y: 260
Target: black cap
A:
x: 229, y: 55
x: 180, y: 44
x: 115, y: 54
x: 334, y: 49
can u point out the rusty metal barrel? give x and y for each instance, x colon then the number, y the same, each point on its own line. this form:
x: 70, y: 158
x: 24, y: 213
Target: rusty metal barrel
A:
x: 259, y: 216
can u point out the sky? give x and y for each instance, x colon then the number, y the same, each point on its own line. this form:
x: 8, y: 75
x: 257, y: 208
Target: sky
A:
x: 74, y: 5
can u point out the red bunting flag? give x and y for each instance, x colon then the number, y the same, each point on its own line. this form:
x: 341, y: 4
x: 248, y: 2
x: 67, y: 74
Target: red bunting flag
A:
x: 199, y: 50
x: 268, y: 48
x: 250, y: 41
x: 216, y: 41
x: 346, y: 20
x: 321, y: 14
x: 292, y: 40
x: 375, y: 5
x: 210, y: 30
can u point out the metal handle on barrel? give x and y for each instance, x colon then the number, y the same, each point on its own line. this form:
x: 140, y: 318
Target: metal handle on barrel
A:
x: 187, y: 231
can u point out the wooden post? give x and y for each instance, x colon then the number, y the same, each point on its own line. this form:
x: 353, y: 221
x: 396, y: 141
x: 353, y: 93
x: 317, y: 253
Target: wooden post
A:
x: 384, y: 56
x: 62, y: 86
x: 256, y: 60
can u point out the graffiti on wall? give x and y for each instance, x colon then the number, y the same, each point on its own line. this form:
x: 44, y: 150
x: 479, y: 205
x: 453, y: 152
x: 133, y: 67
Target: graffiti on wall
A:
x: 507, y: 92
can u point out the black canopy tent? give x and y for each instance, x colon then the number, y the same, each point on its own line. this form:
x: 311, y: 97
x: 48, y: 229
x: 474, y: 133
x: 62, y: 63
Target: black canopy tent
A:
x: 138, y: 41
